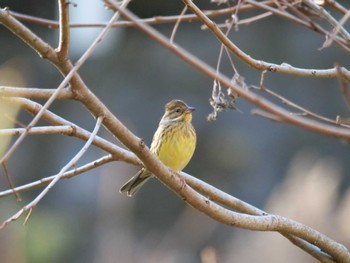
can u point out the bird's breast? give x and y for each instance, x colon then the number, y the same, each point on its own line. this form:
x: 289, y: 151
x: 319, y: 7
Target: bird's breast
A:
x: 177, y: 148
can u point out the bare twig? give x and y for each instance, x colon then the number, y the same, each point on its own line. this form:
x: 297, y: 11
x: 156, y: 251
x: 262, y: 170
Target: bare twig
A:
x: 305, y: 21
x: 264, y: 223
x: 72, y: 162
x: 177, y: 23
x: 35, y: 93
x: 284, y: 100
x: 332, y: 36
x: 117, y: 152
x: 10, y: 182
x: 337, y: 6
x: 319, y: 10
x: 37, y: 117
x: 258, y: 64
x: 344, y: 83
x: 66, y: 175
x: 324, y: 246
x: 259, y: 101
x: 66, y: 80
x: 63, y: 46
x: 67, y: 130
x: 151, y: 21
x: 265, y: 114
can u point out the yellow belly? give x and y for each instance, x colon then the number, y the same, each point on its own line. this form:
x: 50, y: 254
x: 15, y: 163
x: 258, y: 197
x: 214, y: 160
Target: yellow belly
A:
x: 177, y: 151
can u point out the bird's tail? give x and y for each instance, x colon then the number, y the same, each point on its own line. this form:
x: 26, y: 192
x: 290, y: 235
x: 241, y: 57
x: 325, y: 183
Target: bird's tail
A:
x: 135, y: 183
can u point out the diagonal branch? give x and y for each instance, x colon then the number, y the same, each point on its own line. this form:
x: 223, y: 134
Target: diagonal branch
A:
x: 36, y: 43
x: 304, y: 20
x: 325, y: 129
x: 319, y: 10
x: 69, y: 174
x: 65, y: 81
x: 260, y: 223
x: 227, y: 200
x: 259, y: 64
x: 72, y: 162
x: 117, y: 152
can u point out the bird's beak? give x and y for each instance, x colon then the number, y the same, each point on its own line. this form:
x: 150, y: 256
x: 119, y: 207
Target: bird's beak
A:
x: 190, y: 109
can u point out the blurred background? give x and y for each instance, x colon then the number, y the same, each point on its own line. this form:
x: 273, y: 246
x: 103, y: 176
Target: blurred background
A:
x: 277, y: 167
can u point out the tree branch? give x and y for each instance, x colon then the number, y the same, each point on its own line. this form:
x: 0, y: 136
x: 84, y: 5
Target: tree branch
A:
x: 27, y: 36
x: 259, y: 64
x: 151, y: 21
x: 119, y: 154
x: 67, y: 130
x: 69, y: 174
x: 261, y: 223
x: 63, y: 46
x: 29, y: 207
x: 284, y: 115
x: 35, y: 93
x: 255, y: 219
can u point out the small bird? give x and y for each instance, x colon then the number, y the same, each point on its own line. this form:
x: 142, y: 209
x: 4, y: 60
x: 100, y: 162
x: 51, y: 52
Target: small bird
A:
x: 174, y: 143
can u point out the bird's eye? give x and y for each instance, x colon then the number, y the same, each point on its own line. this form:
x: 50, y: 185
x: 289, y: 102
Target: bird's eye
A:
x: 177, y: 110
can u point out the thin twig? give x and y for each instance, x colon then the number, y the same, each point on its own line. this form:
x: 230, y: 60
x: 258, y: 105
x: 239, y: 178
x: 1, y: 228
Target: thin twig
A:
x: 177, y: 23
x: 35, y: 119
x: 303, y: 110
x: 265, y: 114
x: 337, y: 6
x: 151, y: 21
x: 35, y: 93
x: 10, y: 182
x: 259, y: 64
x: 306, y: 21
x: 332, y: 36
x: 262, y: 223
x: 117, y: 152
x: 63, y: 42
x: 66, y: 175
x: 72, y: 162
x: 64, y: 83
x: 259, y: 101
x: 344, y: 83
x: 327, y: 16
x: 64, y: 129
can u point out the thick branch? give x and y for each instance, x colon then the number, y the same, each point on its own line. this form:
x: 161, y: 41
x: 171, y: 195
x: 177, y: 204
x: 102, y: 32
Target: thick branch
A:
x: 267, y: 223
x: 262, y: 222
x: 42, y: 48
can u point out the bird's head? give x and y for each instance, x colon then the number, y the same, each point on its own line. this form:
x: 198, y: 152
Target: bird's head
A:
x: 177, y: 111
